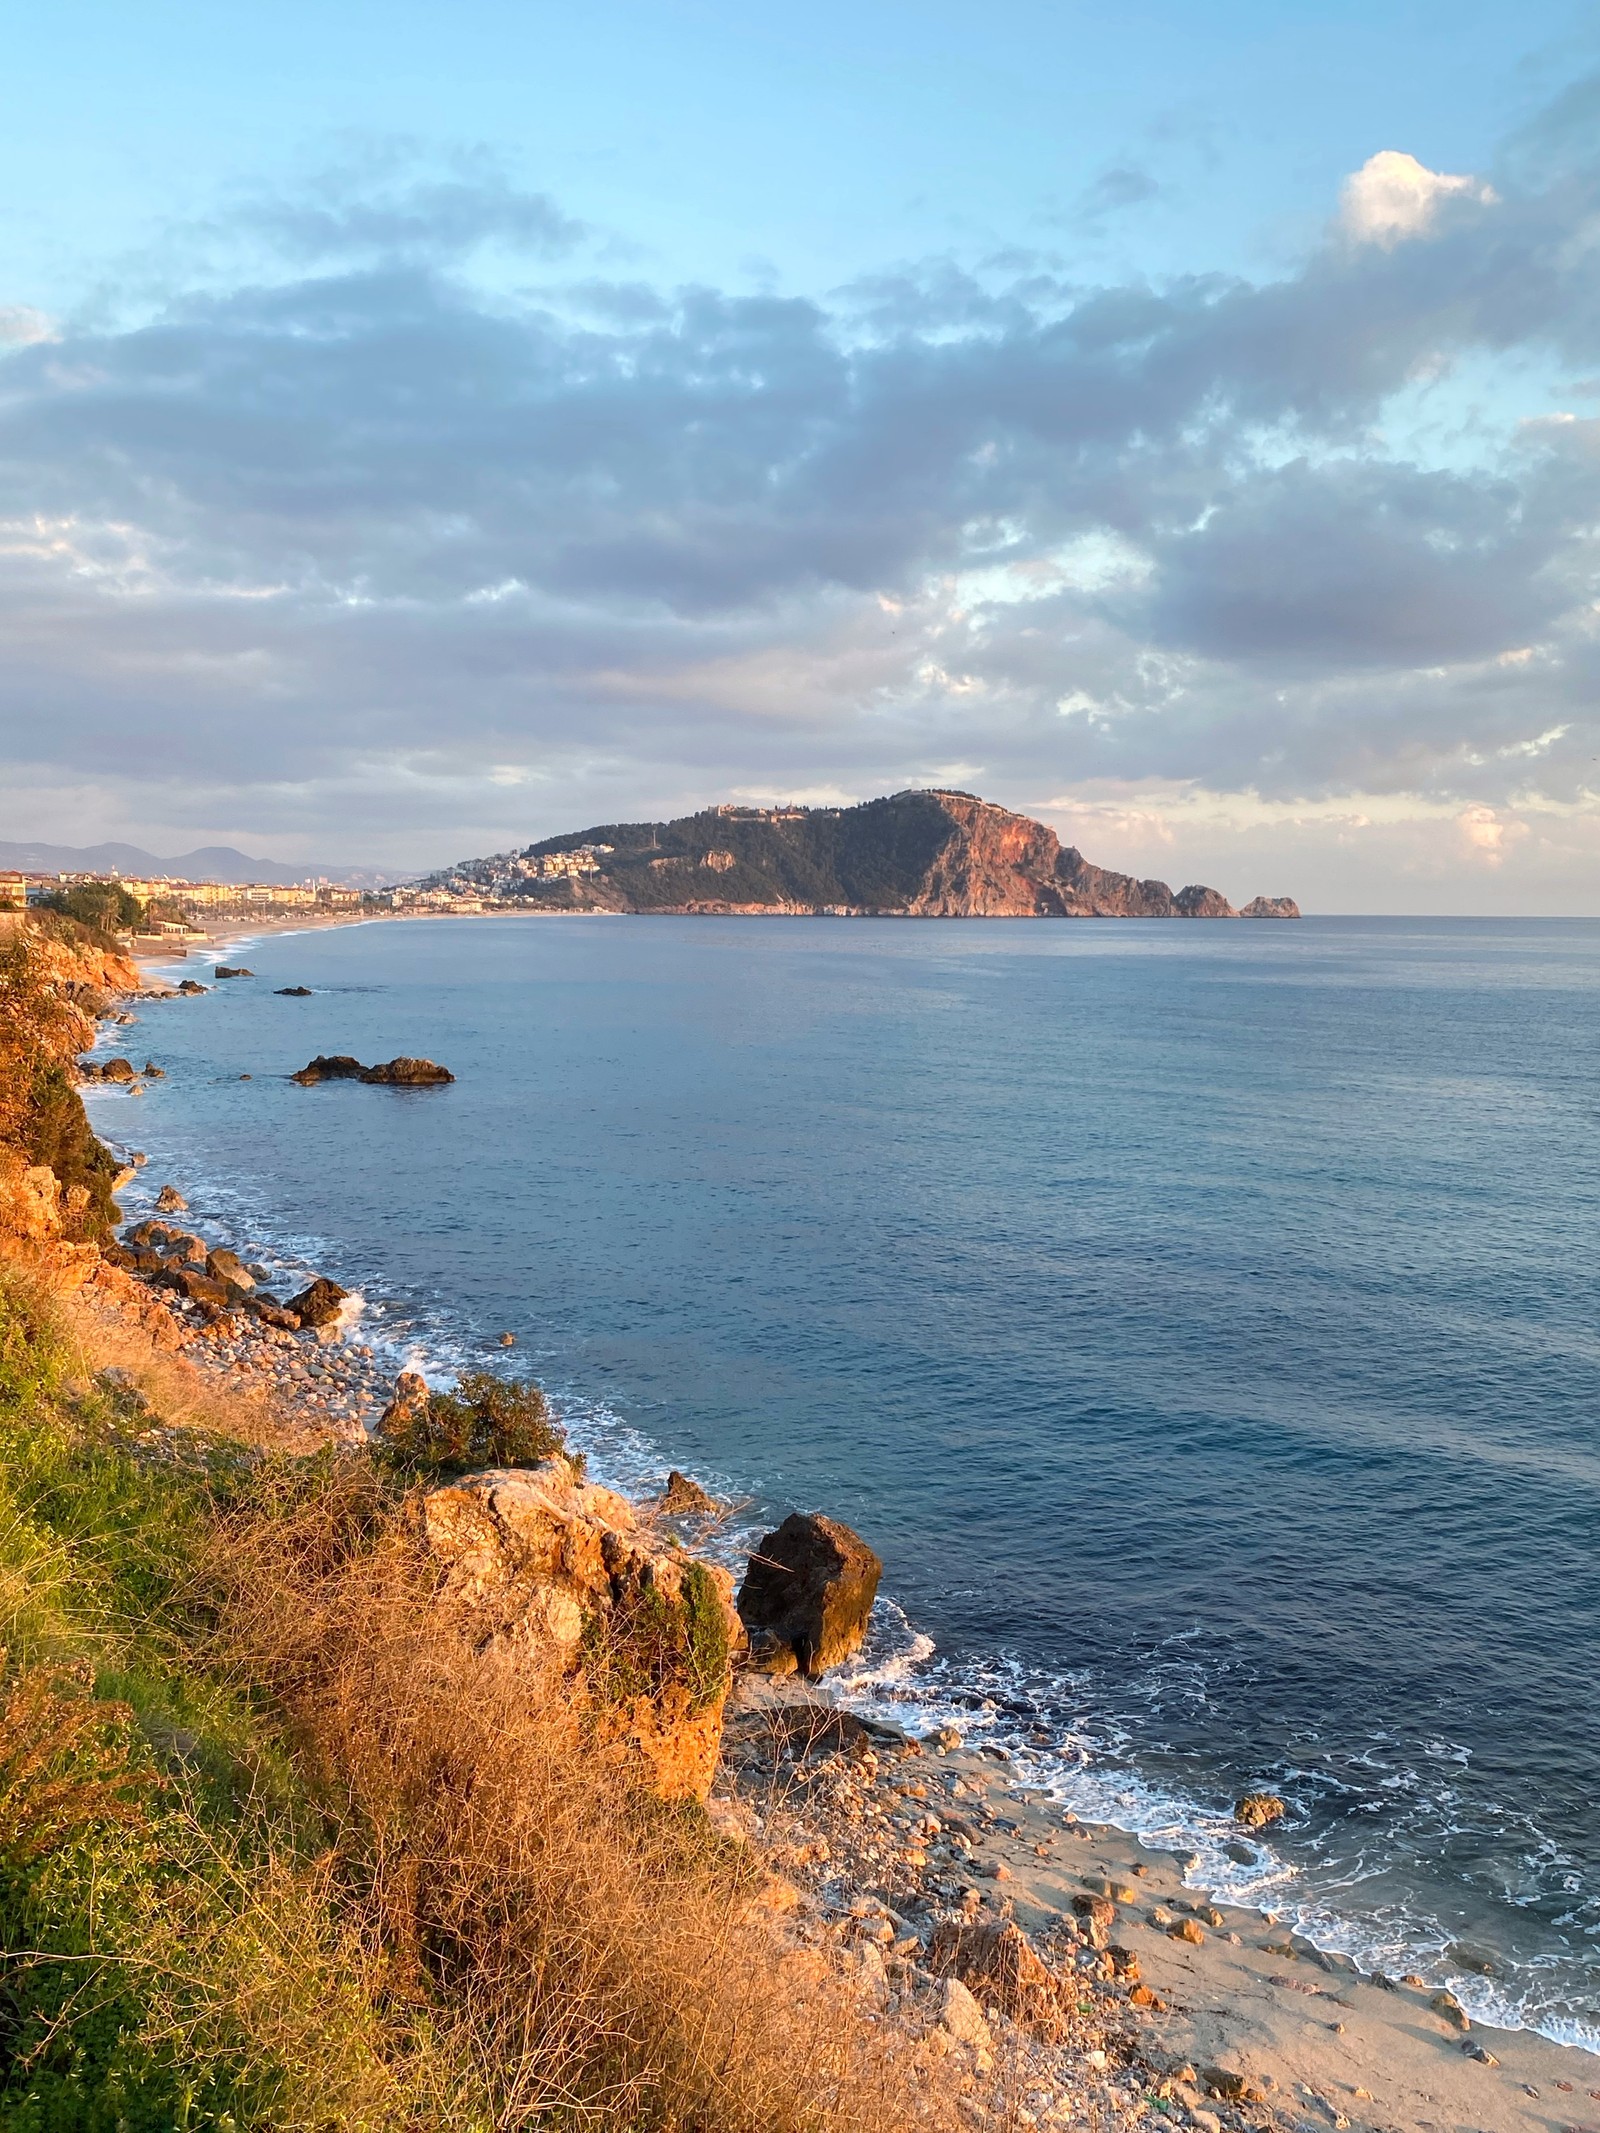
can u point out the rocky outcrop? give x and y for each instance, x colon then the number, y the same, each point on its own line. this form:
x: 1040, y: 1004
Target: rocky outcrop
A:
x: 396, y: 1073
x: 807, y: 1594
x: 294, y: 992
x: 232, y: 970
x: 1271, y: 907
x: 557, y: 1574
x: 938, y: 854
x: 319, y: 1303
x: 683, y: 1498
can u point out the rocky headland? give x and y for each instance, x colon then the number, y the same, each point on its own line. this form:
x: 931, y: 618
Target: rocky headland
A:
x: 935, y: 854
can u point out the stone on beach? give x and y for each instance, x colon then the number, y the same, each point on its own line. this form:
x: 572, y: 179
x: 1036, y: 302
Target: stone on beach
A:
x: 808, y: 1592
x: 408, y: 1404
x: 318, y: 1303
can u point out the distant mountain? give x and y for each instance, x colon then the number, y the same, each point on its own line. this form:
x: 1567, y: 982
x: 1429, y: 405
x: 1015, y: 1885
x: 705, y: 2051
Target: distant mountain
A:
x: 213, y: 862
x: 917, y: 854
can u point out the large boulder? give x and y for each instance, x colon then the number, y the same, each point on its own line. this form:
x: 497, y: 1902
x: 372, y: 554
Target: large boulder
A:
x: 318, y: 1303
x: 557, y: 1575
x: 808, y: 1593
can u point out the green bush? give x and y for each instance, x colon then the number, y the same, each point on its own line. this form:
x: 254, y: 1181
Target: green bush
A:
x: 486, y: 1421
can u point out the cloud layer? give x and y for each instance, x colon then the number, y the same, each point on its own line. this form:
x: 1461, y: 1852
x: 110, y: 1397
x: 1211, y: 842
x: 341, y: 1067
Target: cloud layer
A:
x: 371, y: 550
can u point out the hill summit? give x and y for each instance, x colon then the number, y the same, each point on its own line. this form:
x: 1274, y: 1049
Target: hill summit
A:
x: 934, y: 854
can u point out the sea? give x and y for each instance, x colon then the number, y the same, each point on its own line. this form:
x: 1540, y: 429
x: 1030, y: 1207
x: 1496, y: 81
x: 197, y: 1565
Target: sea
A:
x: 1200, y: 1319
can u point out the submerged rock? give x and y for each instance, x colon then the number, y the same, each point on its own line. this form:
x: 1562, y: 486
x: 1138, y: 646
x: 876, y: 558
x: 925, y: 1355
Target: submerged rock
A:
x: 169, y: 1201
x: 294, y: 992
x: 808, y: 1592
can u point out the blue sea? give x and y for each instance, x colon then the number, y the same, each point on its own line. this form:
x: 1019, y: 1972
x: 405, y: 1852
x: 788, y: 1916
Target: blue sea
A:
x: 1200, y: 1319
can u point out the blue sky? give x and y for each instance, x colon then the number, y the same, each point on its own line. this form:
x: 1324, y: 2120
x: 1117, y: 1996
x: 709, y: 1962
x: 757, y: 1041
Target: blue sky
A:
x: 533, y: 415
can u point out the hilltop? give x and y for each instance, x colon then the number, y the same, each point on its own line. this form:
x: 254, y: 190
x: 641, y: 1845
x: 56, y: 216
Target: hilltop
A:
x: 931, y: 854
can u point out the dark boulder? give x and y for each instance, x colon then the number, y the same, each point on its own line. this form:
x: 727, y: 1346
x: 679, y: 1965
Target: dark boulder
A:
x: 397, y: 1073
x: 117, y: 1070
x: 339, y: 1067
x: 294, y: 992
x: 409, y: 1073
x: 683, y: 1498
x: 808, y: 1592
x: 272, y: 1313
x: 237, y: 970
x: 318, y: 1304
x: 170, y: 1201
x: 153, y: 1072
x: 189, y: 986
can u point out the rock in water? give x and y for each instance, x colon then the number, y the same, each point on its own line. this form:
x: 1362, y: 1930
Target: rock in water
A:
x: 189, y: 986
x: 398, y: 1073
x: 339, y: 1067
x: 683, y: 1498
x: 809, y: 1591
x: 409, y: 1073
x: 170, y: 1201
x: 1271, y: 907
x: 318, y: 1305
x: 225, y: 970
x: 1257, y: 1809
x: 294, y: 992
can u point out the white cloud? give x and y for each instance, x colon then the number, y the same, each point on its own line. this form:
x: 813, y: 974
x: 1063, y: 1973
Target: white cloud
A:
x: 1393, y: 197
x: 21, y: 326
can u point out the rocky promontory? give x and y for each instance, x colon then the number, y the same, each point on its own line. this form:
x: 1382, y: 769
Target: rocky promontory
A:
x: 934, y: 854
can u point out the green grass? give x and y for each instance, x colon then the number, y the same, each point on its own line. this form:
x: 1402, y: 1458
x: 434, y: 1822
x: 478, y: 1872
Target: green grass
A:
x: 160, y: 1917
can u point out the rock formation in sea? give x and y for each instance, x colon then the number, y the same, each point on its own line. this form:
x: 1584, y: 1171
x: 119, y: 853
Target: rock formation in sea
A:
x: 932, y: 854
x: 807, y: 1594
x: 396, y: 1073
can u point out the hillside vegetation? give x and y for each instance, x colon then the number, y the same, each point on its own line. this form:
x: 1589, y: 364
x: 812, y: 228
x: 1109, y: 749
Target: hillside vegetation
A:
x: 278, y: 1846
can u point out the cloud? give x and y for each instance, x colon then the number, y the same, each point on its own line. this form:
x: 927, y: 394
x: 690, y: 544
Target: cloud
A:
x: 1393, y: 197
x: 365, y: 544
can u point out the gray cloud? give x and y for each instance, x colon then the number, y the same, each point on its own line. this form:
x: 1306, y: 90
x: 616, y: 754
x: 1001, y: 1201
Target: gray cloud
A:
x: 367, y: 545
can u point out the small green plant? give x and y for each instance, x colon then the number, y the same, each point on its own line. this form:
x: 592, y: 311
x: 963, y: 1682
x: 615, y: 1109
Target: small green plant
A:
x: 651, y: 1642
x: 486, y: 1421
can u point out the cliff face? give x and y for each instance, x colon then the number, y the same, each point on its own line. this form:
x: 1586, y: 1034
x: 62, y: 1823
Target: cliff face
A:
x: 916, y: 855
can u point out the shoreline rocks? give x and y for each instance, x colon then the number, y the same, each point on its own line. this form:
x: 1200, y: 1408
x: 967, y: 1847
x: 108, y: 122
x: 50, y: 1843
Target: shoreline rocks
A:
x: 807, y: 1595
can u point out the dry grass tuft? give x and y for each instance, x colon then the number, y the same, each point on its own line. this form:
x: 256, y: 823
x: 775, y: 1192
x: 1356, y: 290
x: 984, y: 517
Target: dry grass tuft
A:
x: 580, y: 1950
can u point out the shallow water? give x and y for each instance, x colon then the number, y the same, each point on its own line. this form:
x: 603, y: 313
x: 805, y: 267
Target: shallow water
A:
x: 1199, y: 1318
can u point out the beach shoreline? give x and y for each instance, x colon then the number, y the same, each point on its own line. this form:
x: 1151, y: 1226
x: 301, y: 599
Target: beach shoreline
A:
x: 1308, y: 2032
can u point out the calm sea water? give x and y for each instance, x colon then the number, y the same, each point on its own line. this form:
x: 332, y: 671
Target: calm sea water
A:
x: 1200, y: 1319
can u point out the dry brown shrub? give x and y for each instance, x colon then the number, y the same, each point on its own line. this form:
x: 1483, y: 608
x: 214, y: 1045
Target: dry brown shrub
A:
x: 583, y: 1953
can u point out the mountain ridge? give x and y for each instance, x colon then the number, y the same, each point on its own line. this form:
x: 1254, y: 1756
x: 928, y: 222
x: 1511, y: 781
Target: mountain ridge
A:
x: 211, y: 862
x: 933, y: 853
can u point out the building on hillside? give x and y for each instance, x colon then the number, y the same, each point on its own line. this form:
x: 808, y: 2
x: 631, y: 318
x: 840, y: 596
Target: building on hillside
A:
x: 13, y: 891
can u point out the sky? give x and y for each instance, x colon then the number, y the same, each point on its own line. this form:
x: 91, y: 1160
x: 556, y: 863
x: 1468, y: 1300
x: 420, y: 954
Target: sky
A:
x: 424, y: 430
